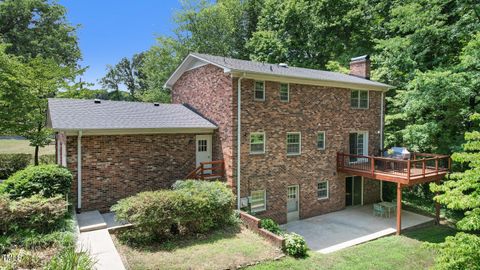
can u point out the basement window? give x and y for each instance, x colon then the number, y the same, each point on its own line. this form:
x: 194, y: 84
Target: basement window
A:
x: 258, y: 201
x: 322, y: 189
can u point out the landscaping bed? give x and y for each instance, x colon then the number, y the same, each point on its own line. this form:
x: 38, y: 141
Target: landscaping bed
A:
x: 225, y: 248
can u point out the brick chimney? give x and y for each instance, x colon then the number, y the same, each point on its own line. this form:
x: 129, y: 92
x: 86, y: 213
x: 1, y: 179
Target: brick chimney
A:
x: 360, y: 66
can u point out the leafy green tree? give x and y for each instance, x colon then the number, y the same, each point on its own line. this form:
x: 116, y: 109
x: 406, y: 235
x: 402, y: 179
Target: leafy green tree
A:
x: 38, y: 28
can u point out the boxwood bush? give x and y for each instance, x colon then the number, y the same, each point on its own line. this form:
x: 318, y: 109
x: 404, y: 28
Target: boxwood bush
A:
x: 11, y: 163
x: 35, y: 213
x: 191, y: 207
x: 46, y: 180
x: 295, y: 245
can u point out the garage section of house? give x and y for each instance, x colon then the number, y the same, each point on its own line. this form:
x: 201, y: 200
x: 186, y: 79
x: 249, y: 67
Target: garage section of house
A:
x: 116, y: 149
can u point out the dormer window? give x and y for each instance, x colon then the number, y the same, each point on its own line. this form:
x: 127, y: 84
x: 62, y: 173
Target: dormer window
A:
x: 259, y: 94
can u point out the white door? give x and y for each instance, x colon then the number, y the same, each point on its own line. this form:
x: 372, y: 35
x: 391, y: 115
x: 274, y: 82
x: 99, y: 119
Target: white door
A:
x: 204, y: 149
x: 292, y: 203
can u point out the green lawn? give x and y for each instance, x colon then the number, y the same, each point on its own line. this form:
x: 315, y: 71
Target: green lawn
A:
x: 222, y: 249
x: 395, y: 252
x: 10, y: 146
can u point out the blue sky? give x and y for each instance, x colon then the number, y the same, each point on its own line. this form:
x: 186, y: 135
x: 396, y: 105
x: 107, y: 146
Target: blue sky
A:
x: 112, y: 29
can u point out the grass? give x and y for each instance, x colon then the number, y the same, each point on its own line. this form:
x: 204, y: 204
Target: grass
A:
x: 393, y: 252
x: 10, y: 146
x: 222, y: 249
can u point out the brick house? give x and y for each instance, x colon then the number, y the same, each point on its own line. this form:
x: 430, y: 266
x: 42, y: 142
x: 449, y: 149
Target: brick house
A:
x: 289, y: 125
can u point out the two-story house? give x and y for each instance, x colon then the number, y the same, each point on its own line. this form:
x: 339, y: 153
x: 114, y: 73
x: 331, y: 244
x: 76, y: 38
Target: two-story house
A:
x: 276, y: 129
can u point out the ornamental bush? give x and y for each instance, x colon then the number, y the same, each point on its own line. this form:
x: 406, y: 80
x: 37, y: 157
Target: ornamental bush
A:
x: 35, y: 213
x: 191, y: 207
x: 271, y: 226
x: 295, y: 245
x: 11, y: 163
x: 461, y: 251
x: 45, y: 180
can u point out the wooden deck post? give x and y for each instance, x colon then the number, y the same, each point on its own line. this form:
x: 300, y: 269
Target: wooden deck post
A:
x: 399, y: 208
x: 437, y: 208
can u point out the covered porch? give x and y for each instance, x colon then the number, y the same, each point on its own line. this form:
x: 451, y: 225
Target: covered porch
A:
x: 351, y: 226
x: 419, y: 168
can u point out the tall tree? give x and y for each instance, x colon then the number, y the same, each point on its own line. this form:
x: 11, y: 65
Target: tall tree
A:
x: 112, y: 80
x: 38, y: 28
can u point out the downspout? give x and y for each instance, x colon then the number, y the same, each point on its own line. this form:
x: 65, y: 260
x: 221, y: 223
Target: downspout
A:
x: 239, y: 110
x: 381, y: 139
x: 79, y: 171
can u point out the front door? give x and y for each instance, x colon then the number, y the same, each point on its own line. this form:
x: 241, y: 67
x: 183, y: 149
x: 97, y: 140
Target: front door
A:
x: 293, y: 201
x: 204, y: 149
x: 353, y: 190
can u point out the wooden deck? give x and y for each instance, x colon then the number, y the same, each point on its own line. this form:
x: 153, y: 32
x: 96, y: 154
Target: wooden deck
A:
x: 421, y: 168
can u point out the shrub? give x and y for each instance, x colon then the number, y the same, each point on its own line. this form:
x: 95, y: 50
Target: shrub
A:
x: 45, y: 180
x: 270, y: 225
x: 69, y: 258
x: 47, y: 159
x: 192, y: 207
x: 459, y: 252
x: 11, y: 163
x: 35, y: 213
x: 295, y: 245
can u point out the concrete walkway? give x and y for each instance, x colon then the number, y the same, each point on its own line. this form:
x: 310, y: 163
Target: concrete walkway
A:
x: 94, y: 237
x: 352, y: 226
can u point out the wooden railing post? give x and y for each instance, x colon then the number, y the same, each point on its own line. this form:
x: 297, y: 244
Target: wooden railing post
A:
x: 201, y: 170
x: 408, y: 169
x: 423, y: 167
x: 372, y: 166
x: 436, y: 165
x: 449, y: 163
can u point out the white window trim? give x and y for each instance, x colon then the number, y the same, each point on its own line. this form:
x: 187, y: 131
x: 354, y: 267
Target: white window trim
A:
x: 358, y: 107
x: 264, y: 143
x: 299, y: 141
x: 256, y: 210
x: 255, y: 91
x: 328, y: 190
x: 365, y: 144
x: 324, y: 140
x: 288, y: 93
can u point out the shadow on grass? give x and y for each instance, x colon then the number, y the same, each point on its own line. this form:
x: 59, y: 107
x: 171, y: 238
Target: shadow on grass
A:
x: 178, y: 241
x: 431, y: 234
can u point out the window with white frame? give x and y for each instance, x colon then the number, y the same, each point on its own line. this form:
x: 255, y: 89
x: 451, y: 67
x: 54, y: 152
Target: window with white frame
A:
x: 258, y: 201
x: 359, y: 99
x: 321, y: 140
x: 257, y: 143
x: 322, y: 189
x: 284, y: 92
x: 294, y: 143
x: 259, y: 90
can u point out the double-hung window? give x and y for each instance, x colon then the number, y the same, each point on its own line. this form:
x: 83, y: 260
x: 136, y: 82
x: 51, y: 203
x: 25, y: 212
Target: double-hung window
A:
x: 322, y: 189
x: 321, y: 140
x: 257, y: 143
x: 258, y: 201
x: 284, y: 92
x: 359, y: 99
x: 294, y: 143
x: 259, y: 93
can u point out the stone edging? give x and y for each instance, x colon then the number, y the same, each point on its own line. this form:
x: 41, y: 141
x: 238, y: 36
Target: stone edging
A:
x: 253, y: 224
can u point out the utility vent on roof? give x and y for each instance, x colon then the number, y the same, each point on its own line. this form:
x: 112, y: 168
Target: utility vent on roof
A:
x: 97, y: 101
x: 156, y: 104
x: 284, y: 65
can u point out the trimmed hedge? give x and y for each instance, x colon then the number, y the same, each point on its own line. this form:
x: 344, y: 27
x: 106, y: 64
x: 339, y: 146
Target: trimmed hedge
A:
x: 191, y: 207
x: 34, y: 213
x: 11, y: 163
x: 46, y: 180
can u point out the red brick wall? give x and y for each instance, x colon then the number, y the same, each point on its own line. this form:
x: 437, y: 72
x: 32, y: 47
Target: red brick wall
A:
x: 115, y: 167
x: 311, y: 109
x: 208, y: 90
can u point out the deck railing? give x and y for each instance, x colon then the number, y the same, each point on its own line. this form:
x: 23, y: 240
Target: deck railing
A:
x: 420, y: 165
x: 208, y: 170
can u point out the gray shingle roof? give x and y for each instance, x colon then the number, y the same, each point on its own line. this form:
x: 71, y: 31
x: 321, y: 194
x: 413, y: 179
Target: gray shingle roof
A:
x: 76, y: 114
x: 275, y: 69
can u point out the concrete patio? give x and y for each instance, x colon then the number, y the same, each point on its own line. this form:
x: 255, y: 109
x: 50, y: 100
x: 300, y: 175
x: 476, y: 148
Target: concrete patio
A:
x: 354, y: 225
